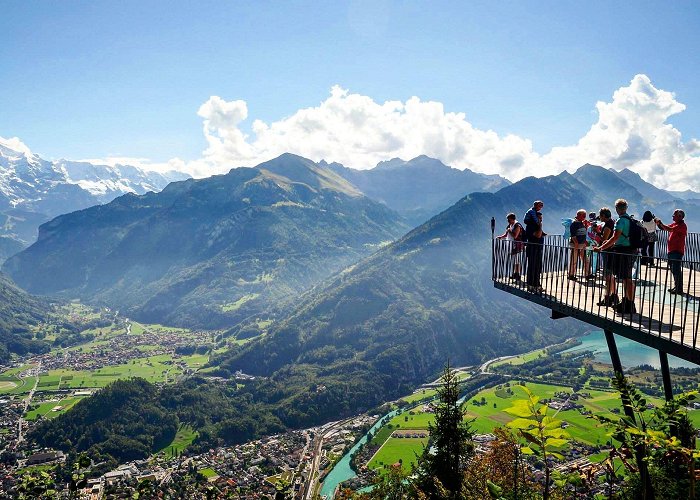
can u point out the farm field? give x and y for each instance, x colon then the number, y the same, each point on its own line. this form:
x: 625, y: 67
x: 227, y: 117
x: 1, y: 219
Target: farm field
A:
x: 44, y: 410
x: 161, y: 368
x: 10, y: 383
x: 394, y: 450
x: 492, y: 413
x: 521, y: 359
x: 420, y: 394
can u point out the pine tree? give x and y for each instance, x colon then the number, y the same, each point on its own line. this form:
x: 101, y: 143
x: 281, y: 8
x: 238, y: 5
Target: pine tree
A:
x: 441, y: 467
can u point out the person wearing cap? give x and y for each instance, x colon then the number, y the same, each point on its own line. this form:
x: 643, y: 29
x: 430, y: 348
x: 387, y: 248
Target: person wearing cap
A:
x: 676, y: 247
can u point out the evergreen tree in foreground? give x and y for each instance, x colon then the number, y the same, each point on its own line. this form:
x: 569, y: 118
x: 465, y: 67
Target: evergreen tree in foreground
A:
x: 441, y: 467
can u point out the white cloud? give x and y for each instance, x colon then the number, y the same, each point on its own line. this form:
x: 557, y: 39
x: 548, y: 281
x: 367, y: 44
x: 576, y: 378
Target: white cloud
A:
x: 631, y: 132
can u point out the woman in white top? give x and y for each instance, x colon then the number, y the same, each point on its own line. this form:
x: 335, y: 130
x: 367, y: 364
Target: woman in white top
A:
x: 514, y: 232
x: 648, y: 250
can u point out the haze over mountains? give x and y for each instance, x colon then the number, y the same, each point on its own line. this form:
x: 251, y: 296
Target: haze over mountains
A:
x: 210, y: 252
x: 33, y: 190
x: 418, y: 188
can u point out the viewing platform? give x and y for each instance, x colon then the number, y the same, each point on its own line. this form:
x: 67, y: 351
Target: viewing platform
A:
x: 664, y: 321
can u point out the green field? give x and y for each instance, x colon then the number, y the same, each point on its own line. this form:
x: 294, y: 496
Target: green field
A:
x: 286, y: 476
x: 183, y: 438
x: 44, y: 410
x: 153, y: 368
x: 522, y: 358
x: 486, y: 417
x: 195, y: 361
x: 208, y: 473
x: 420, y: 394
x: 10, y: 383
x: 234, y: 306
x: 407, y: 421
x: 395, y: 449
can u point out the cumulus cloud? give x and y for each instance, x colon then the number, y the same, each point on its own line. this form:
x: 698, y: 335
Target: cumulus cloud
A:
x: 631, y: 132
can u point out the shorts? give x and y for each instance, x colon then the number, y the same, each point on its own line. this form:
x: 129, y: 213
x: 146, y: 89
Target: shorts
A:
x: 620, y: 262
x: 518, y: 246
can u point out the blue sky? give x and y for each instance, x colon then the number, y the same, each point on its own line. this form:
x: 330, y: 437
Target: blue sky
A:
x: 125, y: 78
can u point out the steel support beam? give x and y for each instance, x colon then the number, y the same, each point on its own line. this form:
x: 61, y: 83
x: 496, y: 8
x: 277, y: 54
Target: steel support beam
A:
x: 627, y: 406
x: 614, y: 355
x: 666, y: 375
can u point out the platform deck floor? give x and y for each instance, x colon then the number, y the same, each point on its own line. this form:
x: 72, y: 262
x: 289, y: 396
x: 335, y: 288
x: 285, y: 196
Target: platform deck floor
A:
x: 659, y: 313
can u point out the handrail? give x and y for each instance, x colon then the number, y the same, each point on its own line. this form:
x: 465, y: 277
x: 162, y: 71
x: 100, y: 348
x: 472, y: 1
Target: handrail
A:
x: 672, y: 317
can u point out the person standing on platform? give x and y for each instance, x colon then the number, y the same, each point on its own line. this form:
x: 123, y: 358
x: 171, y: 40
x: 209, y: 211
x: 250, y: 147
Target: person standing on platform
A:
x: 611, y: 298
x: 621, y: 258
x: 535, y: 240
x: 648, y: 221
x: 578, y: 243
x: 676, y: 247
x: 516, y: 235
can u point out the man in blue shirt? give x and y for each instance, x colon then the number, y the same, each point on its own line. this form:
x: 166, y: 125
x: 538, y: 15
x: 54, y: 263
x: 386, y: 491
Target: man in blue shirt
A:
x: 533, y: 250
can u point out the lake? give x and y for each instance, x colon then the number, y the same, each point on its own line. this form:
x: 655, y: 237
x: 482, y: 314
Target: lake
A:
x: 631, y: 353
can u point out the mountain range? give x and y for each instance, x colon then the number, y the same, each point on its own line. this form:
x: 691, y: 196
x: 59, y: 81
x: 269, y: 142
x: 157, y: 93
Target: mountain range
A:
x: 418, y: 188
x: 209, y: 252
x: 34, y: 190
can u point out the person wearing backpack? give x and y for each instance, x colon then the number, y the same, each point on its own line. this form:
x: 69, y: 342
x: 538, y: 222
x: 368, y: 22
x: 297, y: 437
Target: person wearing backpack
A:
x: 676, y: 247
x: 621, y: 257
x: 516, y: 233
x: 578, y: 243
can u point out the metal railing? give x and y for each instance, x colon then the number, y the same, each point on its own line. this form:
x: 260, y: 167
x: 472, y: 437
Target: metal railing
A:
x: 658, y: 313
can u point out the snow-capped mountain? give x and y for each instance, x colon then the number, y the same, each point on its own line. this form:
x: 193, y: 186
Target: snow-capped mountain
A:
x: 107, y: 182
x: 34, y: 190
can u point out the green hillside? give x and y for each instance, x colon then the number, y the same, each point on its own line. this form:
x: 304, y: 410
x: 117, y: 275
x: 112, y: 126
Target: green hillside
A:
x: 396, y: 317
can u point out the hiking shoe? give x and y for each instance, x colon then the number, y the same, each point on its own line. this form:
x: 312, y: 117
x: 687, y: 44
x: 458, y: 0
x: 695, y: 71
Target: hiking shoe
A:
x: 675, y: 291
x: 590, y: 277
x: 609, y: 300
x: 626, y: 307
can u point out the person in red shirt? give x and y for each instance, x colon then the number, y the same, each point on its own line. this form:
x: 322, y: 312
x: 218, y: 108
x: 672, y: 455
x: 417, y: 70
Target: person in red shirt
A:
x: 676, y: 247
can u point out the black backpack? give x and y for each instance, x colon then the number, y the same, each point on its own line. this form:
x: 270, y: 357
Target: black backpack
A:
x: 521, y: 234
x: 639, y: 236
